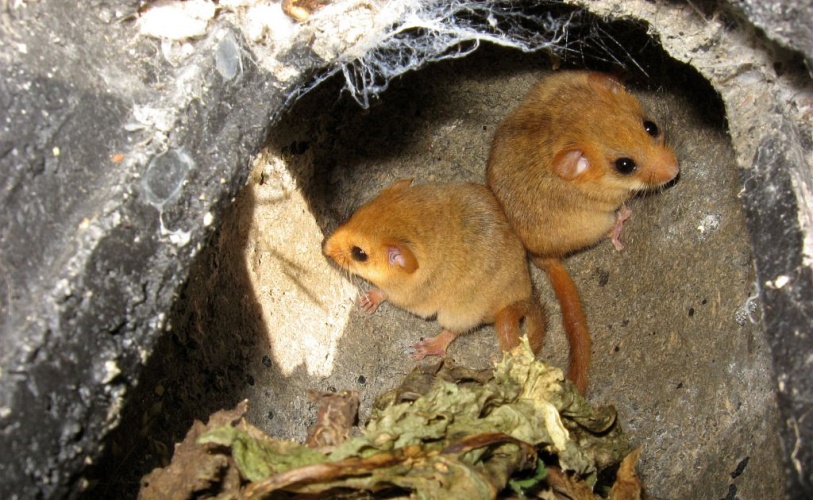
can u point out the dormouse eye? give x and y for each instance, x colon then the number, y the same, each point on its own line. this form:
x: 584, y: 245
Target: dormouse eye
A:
x: 651, y: 128
x: 625, y: 165
x: 358, y: 254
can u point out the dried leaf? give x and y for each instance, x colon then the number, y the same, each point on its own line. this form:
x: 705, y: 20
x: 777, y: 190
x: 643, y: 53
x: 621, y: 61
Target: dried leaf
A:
x: 421, y: 379
x: 628, y: 485
x: 569, y: 487
x: 447, y: 432
x: 429, y: 474
x: 335, y: 417
x: 193, y: 469
x: 259, y: 456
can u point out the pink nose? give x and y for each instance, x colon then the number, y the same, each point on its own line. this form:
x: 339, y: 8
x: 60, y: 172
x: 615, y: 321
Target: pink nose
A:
x: 666, y: 168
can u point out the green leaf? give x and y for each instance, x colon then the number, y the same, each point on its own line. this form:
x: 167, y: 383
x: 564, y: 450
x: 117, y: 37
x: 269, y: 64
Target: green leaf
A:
x: 260, y: 457
x: 521, y: 485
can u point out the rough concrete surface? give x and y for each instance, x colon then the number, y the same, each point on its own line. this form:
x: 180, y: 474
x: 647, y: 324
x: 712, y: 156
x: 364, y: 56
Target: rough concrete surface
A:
x: 768, y: 97
x: 786, y: 22
x: 669, y: 315
x: 678, y: 346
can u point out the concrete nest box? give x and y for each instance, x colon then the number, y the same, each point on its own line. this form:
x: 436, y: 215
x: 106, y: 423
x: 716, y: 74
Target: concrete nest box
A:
x: 171, y: 169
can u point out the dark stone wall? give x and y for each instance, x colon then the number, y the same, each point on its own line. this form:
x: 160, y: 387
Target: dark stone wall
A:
x: 772, y: 211
x: 780, y: 170
x: 110, y: 166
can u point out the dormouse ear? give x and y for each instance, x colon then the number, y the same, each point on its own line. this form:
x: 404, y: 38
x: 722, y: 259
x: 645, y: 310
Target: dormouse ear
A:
x: 400, y: 184
x: 570, y: 163
x: 399, y: 255
x: 606, y: 82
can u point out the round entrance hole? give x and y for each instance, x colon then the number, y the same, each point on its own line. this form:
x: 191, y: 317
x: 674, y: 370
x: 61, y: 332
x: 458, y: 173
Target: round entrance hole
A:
x: 677, y: 343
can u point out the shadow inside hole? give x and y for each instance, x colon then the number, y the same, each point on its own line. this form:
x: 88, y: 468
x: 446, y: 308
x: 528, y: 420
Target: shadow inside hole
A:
x: 201, y: 364
x: 325, y: 123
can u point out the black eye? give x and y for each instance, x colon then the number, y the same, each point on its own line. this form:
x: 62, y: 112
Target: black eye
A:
x: 651, y: 128
x: 358, y: 254
x: 625, y: 165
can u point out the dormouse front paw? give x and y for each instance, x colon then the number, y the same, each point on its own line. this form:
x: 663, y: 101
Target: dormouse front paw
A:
x: 370, y: 301
x: 621, y: 216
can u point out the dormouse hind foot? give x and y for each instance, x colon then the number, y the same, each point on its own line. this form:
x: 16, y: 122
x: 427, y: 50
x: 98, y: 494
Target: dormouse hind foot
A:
x: 621, y: 216
x: 370, y: 301
x: 435, y: 346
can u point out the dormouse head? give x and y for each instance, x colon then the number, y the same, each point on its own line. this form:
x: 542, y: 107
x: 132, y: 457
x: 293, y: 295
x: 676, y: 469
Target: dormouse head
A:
x: 613, y: 141
x: 368, y: 244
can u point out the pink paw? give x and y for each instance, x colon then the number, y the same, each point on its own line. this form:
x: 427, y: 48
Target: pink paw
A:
x: 435, y: 346
x: 621, y: 216
x: 370, y: 301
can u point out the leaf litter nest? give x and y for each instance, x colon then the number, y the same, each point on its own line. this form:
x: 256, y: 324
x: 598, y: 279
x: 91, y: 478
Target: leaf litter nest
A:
x: 519, y: 430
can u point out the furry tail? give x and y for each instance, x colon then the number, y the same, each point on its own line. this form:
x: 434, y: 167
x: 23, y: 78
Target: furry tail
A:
x: 507, y: 324
x: 573, y: 319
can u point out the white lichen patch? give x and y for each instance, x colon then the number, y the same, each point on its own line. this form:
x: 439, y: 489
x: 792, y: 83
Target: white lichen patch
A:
x: 746, y: 313
x: 805, y: 216
x: 708, y: 224
x: 360, y: 26
x: 778, y: 283
x: 111, y: 371
x: 175, y: 20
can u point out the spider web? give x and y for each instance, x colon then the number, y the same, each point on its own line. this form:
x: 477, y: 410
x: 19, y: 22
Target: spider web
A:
x: 428, y: 31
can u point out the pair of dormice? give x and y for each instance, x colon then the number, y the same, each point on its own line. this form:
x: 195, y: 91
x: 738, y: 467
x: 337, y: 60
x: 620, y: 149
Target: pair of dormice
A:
x: 561, y: 168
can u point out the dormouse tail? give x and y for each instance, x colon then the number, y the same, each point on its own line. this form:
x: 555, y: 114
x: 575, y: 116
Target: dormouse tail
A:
x: 507, y: 324
x: 573, y: 318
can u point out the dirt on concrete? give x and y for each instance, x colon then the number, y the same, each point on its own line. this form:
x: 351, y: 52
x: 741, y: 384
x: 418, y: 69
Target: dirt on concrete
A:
x: 677, y: 343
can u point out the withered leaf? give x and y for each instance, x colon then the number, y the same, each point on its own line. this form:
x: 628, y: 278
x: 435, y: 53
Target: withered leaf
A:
x: 334, y: 419
x: 628, y: 485
x: 257, y: 455
x: 192, y: 468
x: 457, y: 434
